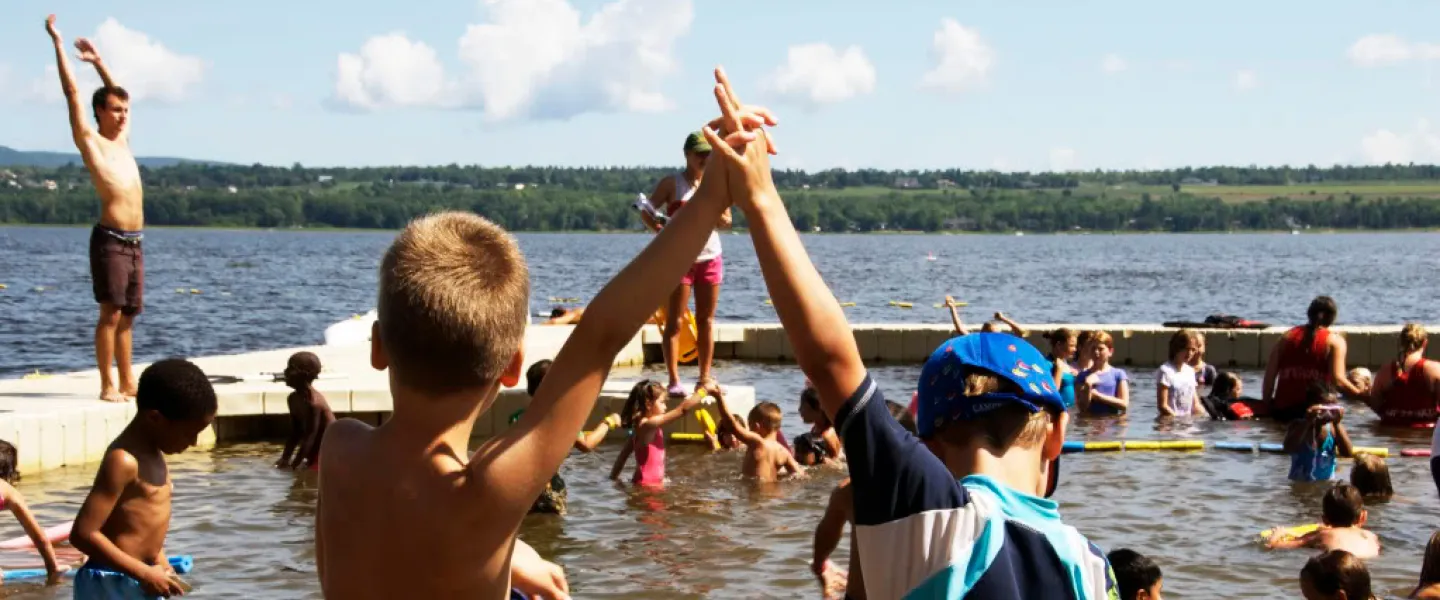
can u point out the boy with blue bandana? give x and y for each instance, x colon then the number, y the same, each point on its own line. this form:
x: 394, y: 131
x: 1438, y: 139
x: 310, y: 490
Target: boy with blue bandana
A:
x: 968, y: 520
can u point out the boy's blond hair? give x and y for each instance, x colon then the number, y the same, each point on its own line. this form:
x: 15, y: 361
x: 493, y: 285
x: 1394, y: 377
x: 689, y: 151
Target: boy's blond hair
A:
x: 453, y: 303
x: 767, y: 414
x: 1002, y: 427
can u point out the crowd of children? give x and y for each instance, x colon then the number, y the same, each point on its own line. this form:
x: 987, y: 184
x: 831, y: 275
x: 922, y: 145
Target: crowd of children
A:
x: 952, y: 500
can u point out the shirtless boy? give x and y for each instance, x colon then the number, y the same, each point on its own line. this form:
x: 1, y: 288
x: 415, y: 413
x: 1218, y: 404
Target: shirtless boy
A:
x: 117, y: 262
x: 310, y: 414
x: 1342, y: 526
x: 123, y: 523
x: 765, y: 458
x: 453, y: 303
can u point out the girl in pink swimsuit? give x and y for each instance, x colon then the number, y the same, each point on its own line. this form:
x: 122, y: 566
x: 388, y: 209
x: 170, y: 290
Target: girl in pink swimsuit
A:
x: 11, y: 500
x: 645, y: 415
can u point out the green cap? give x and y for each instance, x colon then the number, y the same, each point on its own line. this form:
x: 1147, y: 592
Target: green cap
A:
x: 696, y: 142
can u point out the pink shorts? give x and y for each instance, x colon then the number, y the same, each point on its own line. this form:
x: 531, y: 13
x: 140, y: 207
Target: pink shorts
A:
x: 705, y: 272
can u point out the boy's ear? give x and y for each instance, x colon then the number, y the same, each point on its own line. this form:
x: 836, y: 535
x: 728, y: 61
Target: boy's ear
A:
x: 511, y: 376
x: 1055, y: 438
x: 378, y: 359
x: 1364, y: 516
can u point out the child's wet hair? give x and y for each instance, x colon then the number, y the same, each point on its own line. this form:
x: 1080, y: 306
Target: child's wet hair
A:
x: 1412, y: 338
x: 1180, y: 340
x: 1102, y: 338
x: 305, y: 365
x: 1319, y: 392
x: 1338, y: 571
x: 557, y: 312
x: 9, y: 462
x: 902, y: 415
x: 535, y: 374
x: 638, y: 403
x: 1060, y: 335
x: 1133, y: 572
x: 177, y: 389
x: 1371, y: 476
x: 1226, y: 385
x: 811, y: 397
x: 991, y: 327
x: 806, y: 452
x: 1342, y: 506
x: 767, y: 414
x: 1430, y: 569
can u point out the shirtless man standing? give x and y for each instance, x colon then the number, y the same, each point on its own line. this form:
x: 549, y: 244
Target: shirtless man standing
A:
x: 117, y: 263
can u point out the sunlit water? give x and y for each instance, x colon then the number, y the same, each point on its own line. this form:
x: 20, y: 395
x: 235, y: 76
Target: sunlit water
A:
x: 251, y: 530
x: 251, y: 527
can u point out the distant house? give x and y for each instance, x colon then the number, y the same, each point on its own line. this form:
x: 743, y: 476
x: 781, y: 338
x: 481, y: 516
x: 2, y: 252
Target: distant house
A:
x: 324, y: 178
x: 232, y: 189
x: 1194, y: 181
x: 907, y: 183
x: 51, y: 185
x: 519, y: 187
x: 944, y: 184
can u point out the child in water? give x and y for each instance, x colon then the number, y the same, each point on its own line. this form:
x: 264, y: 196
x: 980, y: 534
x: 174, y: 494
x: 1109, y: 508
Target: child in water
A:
x: 645, y: 414
x: 1371, y: 476
x: 1429, y: 586
x: 1335, y: 575
x: 1138, y: 577
x: 821, y: 437
x: 1225, y: 402
x: 122, y: 525
x: 1315, y: 441
x: 12, y: 500
x: 765, y: 458
x: 1102, y: 389
x: 725, y: 438
x: 1062, y: 348
x: 1342, y: 526
x: 1175, y: 382
x: 1205, y: 373
x: 310, y: 414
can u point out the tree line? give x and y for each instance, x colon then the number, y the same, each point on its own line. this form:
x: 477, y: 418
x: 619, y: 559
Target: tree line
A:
x: 384, y: 206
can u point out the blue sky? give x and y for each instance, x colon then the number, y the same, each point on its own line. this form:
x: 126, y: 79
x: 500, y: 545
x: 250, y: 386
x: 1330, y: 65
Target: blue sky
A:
x: 976, y: 85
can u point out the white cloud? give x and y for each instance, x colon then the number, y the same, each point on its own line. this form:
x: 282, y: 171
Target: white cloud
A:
x: 1387, y: 48
x: 962, y: 59
x: 1062, y: 159
x: 282, y: 101
x: 1113, y: 63
x: 1246, y: 79
x: 531, y: 58
x: 816, y: 74
x: 1418, y: 145
x: 143, y: 66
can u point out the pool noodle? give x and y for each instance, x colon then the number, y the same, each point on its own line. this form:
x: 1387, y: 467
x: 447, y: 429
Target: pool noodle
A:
x: 182, y: 564
x: 687, y: 437
x: 1380, y: 452
x: 1289, y: 532
x: 1415, y: 452
x: 1280, y: 448
x: 705, y: 421
x: 1074, y: 447
x: 1102, y: 446
x: 54, y: 533
x: 1237, y: 446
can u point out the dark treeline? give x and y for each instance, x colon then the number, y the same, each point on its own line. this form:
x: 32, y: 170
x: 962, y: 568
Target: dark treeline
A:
x: 555, y: 209
x: 642, y: 179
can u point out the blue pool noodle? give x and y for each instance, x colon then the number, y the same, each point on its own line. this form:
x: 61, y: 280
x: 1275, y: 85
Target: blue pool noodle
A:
x: 1241, y: 446
x: 1272, y: 448
x: 182, y: 564
x: 1073, y: 447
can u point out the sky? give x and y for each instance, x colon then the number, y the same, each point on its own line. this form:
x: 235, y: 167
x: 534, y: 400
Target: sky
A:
x: 1046, y: 85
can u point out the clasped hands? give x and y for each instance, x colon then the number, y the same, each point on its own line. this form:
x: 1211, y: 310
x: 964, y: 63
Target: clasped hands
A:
x: 740, y: 148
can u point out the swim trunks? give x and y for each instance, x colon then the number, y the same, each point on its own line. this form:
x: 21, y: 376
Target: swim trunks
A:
x: 103, y: 584
x: 706, y: 272
x: 117, y: 268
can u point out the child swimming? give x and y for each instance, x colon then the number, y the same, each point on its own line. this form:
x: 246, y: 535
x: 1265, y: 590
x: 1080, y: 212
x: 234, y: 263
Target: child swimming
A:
x: 1335, y: 575
x: 123, y: 522
x: 1342, y: 526
x: 1226, y: 402
x: 645, y: 414
x: 1102, y: 389
x: 1314, y: 442
x: 12, y: 500
x: 1175, y: 383
x: 765, y: 458
x: 821, y: 438
x: 1138, y: 577
x: 1371, y: 476
x: 310, y: 414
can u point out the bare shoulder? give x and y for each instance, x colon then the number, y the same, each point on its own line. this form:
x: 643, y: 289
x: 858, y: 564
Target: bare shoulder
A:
x: 665, y: 189
x: 119, y: 463
x: 318, y: 401
x: 344, y: 436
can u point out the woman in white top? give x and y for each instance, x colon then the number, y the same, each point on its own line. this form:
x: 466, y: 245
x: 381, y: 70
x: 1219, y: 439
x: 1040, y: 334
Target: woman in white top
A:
x: 1175, y: 384
x: 705, y: 276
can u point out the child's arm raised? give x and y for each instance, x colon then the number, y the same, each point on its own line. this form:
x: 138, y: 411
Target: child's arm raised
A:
x: 749, y: 438
x: 955, y: 317
x: 675, y: 413
x: 16, y: 503
x: 117, y: 471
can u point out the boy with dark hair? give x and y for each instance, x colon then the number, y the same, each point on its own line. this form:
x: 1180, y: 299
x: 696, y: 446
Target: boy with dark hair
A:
x: 454, y: 300
x: 1342, y: 526
x: 1138, y: 577
x: 122, y: 525
x: 310, y: 414
x: 987, y: 405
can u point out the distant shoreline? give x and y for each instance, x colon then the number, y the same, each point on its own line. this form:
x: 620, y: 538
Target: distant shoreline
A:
x: 327, y: 229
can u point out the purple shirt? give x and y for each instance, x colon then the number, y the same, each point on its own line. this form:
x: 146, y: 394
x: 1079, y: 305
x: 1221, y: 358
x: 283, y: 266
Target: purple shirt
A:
x: 1107, y: 383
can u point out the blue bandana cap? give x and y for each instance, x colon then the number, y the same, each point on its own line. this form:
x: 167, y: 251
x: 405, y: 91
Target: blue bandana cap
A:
x: 942, y: 381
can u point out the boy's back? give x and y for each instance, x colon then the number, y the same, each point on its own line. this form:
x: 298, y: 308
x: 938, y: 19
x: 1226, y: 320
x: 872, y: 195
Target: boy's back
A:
x: 765, y: 460
x: 1362, y: 543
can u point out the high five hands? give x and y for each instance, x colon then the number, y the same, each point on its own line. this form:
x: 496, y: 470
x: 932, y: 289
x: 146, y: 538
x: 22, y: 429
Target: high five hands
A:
x: 740, y: 148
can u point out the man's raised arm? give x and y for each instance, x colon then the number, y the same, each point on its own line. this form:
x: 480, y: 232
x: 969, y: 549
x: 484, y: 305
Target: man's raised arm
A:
x: 89, y: 54
x: 78, y: 128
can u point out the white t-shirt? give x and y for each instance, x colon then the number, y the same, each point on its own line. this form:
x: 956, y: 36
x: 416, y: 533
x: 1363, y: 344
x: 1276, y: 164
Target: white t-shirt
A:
x: 683, y: 192
x: 1182, y: 387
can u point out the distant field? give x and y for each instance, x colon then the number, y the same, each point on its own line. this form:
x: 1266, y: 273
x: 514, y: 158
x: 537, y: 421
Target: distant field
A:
x: 1227, y: 193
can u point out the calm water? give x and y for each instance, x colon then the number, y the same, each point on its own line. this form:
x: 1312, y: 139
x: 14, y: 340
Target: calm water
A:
x: 250, y: 527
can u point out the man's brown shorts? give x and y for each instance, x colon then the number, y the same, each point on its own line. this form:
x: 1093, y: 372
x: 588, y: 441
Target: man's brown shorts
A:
x: 117, y: 269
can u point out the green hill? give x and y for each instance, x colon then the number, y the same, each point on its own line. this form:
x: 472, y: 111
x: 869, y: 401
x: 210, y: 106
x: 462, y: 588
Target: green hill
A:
x: 10, y: 157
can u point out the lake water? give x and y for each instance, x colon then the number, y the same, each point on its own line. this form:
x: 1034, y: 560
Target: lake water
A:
x: 709, y: 533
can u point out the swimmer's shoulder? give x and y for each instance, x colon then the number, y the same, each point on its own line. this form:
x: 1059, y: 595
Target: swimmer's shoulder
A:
x: 344, y: 437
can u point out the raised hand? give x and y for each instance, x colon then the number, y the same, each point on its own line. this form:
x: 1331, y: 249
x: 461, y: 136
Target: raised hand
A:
x: 50, y: 28
x: 750, y: 117
x: 745, y: 165
x: 87, y: 51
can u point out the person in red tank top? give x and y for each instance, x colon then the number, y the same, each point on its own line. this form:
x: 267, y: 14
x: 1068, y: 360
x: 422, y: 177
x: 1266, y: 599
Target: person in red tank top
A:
x: 1305, y: 355
x: 1407, y: 391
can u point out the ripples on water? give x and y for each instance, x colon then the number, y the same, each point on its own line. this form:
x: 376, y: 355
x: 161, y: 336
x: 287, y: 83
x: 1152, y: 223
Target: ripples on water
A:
x: 251, y: 528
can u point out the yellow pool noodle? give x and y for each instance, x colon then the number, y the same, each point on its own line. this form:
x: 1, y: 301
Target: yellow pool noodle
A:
x: 1380, y: 452
x: 1102, y: 446
x: 687, y: 437
x: 847, y: 304
x: 1166, y: 445
x: 1286, y: 533
x: 705, y: 420
x: 899, y: 304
